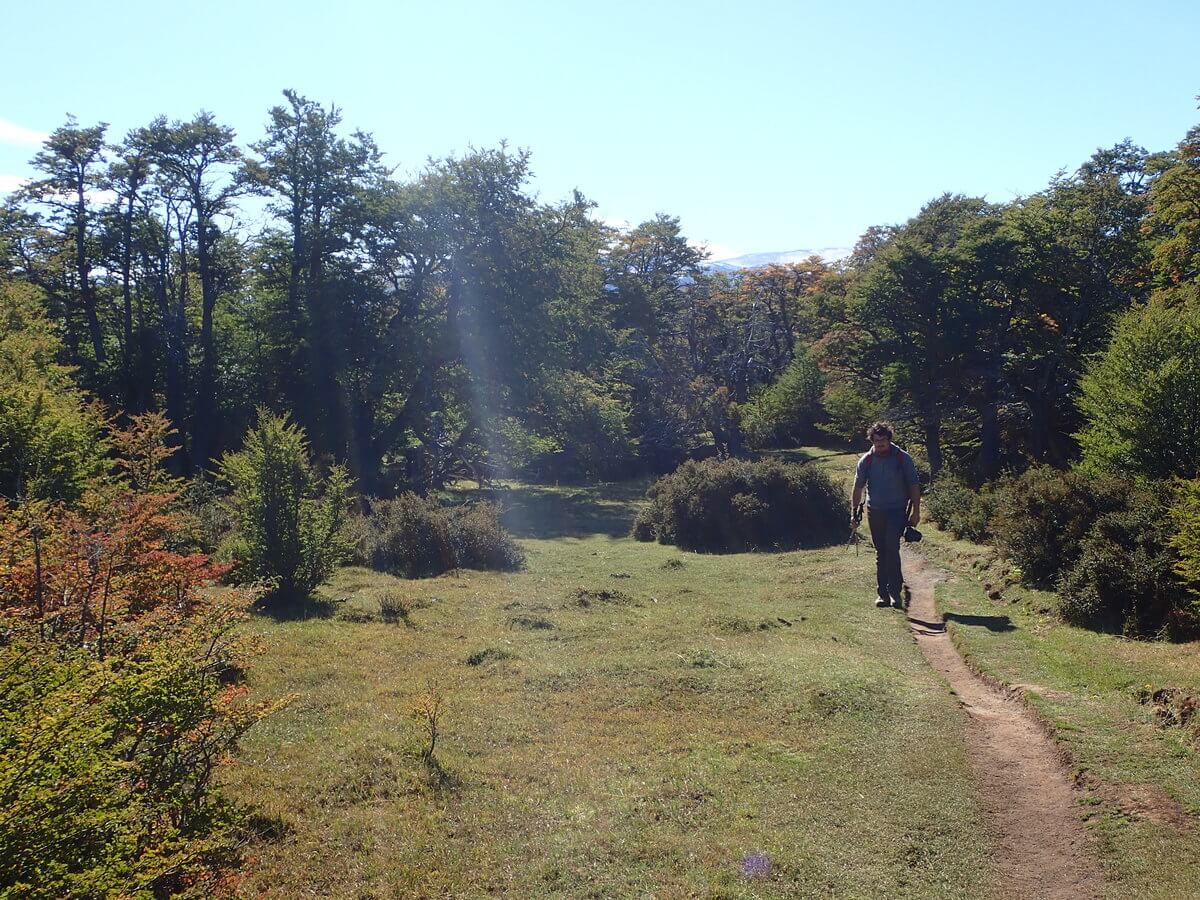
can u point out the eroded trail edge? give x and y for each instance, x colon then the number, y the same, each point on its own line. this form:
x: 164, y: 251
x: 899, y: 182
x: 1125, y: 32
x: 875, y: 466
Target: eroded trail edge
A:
x: 1028, y: 795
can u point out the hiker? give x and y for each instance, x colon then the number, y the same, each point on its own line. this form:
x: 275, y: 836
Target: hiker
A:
x: 893, y: 502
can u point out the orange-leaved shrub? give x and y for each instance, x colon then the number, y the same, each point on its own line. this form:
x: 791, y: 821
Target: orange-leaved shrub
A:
x: 118, y: 699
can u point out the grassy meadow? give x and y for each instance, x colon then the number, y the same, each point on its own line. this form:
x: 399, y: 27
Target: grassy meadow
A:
x: 629, y: 720
x: 620, y: 719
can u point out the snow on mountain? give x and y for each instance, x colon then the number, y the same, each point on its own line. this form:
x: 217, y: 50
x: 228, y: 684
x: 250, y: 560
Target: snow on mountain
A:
x: 755, y: 260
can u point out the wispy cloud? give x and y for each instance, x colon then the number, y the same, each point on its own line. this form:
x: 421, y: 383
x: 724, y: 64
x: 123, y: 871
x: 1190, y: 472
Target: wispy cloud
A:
x: 11, y: 133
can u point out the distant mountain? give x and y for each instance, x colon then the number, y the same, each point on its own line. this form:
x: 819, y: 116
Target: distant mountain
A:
x: 755, y: 260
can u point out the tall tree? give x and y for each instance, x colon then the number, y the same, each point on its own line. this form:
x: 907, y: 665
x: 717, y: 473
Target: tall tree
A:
x: 202, y: 158
x: 71, y: 162
x: 128, y: 176
x: 316, y: 177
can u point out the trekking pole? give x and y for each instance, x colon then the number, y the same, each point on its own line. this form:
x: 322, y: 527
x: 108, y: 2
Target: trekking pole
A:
x: 855, y: 538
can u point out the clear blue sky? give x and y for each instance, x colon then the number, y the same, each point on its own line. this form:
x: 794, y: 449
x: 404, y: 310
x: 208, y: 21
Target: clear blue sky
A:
x: 763, y: 125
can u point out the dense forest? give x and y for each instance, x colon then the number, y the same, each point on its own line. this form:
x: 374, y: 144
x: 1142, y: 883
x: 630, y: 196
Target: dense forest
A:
x: 284, y: 324
x: 454, y: 324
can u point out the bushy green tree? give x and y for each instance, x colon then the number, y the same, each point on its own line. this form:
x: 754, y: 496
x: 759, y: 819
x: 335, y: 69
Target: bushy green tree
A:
x: 789, y: 409
x: 1141, y: 398
x: 50, y: 436
x: 1185, y: 513
x: 288, y: 521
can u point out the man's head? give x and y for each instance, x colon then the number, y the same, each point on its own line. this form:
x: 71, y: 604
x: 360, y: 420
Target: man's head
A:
x: 880, y: 436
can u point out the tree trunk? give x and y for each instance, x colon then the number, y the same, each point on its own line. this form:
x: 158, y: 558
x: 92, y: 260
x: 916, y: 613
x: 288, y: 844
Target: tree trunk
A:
x: 175, y: 380
x: 85, y: 283
x: 203, y: 436
x: 933, y: 439
x: 130, y: 389
x: 989, y: 434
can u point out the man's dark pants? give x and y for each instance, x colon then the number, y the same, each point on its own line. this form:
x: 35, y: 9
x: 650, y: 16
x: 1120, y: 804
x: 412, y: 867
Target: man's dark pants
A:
x: 887, y: 525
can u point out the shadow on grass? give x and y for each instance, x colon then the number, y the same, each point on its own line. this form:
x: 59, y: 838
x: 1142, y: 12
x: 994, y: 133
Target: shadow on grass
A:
x: 547, y: 511
x: 991, y: 623
x: 295, y: 610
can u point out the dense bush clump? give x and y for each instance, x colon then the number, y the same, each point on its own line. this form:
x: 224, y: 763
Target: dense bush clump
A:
x: 1042, y: 517
x: 1124, y: 578
x: 732, y: 505
x: 288, y: 522
x: 1105, y: 543
x: 956, y: 508
x: 418, y: 537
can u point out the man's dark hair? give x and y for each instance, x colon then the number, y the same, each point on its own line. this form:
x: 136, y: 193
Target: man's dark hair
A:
x: 880, y: 429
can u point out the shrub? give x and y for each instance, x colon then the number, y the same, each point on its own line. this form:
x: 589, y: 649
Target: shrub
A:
x: 1124, y: 577
x: 288, y: 522
x: 956, y: 508
x: 732, y: 504
x: 1042, y: 516
x: 418, y: 537
x: 394, y: 607
x: 115, y: 706
x: 1185, y: 513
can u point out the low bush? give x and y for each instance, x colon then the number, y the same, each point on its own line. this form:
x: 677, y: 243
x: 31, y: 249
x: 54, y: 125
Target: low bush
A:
x: 726, y: 505
x: 118, y: 700
x: 418, y: 537
x: 1042, y: 517
x: 956, y: 508
x: 1106, y: 543
x: 1124, y: 578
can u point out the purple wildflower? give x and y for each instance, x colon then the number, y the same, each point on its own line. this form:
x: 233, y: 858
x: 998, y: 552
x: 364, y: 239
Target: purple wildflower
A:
x: 756, y: 865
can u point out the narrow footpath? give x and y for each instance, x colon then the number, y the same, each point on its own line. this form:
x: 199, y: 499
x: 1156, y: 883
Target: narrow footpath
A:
x: 1028, y: 795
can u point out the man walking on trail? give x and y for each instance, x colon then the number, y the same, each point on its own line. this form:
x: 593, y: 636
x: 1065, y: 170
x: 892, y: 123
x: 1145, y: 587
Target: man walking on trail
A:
x: 890, y: 477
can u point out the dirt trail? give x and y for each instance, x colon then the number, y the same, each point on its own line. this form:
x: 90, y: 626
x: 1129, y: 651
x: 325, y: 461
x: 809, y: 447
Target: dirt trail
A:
x: 1027, y: 793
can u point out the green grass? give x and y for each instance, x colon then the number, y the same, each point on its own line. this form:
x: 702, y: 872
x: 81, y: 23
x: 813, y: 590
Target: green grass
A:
x: 690, y: 711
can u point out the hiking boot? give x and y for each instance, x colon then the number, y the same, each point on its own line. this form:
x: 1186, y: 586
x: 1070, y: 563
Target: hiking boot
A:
x: 881, y: 602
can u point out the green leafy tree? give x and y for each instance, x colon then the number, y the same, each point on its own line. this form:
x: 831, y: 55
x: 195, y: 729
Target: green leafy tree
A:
x: 71, y: 163
x: 1174, y: 219
x: 1141, y: 398
x: 50, y: 435
x: 288, y: 520
x: 790, y: 409
x: 199, y: 159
